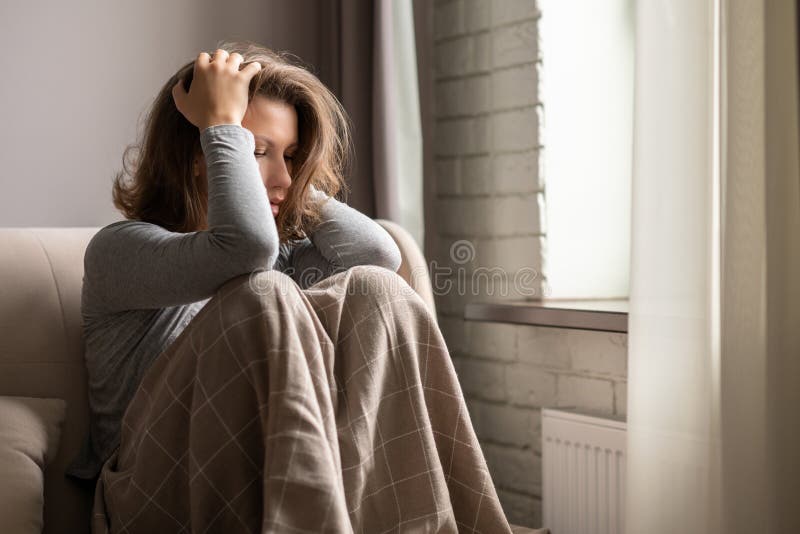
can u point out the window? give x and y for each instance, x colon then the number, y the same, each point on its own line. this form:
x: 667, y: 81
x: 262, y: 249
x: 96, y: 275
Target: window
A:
x: 586, y: 87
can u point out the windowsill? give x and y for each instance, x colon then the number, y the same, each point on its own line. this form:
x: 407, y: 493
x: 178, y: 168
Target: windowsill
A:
x: 602, y: 315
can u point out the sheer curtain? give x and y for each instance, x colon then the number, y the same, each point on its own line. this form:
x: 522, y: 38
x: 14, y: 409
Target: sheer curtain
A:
x: 396, y: 118
x: 714, y: 327
x: 368, y: 57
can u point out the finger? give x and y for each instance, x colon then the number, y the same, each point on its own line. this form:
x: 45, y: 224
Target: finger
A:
x: 200, y: 64
x: 251, y: 69
x: 234, y: 60
x: 178, y: 93
x: 203, y: 59
x: 220, y: 56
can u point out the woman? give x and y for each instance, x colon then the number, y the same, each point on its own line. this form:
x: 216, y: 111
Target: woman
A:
x: 236, y: 379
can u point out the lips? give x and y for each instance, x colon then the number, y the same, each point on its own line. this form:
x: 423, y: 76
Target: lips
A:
x: 274, y: 208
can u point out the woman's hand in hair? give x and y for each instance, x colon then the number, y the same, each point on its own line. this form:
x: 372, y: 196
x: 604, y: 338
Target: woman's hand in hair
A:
x: 218, y: 93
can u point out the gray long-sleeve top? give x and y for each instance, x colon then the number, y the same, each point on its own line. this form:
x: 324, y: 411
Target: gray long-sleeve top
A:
x: 143, y: 284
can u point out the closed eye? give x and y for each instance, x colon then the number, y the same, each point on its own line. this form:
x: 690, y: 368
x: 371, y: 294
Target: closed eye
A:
x: 262, y: 154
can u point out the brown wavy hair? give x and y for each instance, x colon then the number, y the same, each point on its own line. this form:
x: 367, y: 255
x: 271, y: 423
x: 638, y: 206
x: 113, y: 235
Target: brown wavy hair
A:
x: 157, y: 184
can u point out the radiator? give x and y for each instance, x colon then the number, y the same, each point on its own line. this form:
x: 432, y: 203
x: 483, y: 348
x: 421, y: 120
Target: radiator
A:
x: 583, y: 473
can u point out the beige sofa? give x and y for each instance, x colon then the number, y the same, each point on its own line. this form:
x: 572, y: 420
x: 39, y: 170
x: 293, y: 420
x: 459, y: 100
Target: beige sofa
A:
x: 41, y: 349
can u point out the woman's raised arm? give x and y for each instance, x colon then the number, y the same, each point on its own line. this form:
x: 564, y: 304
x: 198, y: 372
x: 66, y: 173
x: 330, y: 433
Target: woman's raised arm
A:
x: 135, y: 264
x: 139, y: 265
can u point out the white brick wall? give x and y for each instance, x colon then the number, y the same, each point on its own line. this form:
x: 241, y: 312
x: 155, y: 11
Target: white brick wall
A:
x: 515, y: 44
x: 517, y: 172
x: 514, y: 87
x: 521, y: 469
x: 490, y: 192
x: 506, y: 425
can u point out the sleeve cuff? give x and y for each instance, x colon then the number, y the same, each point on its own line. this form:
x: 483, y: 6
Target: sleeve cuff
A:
x: 232, y: 136
x: 316, y: 194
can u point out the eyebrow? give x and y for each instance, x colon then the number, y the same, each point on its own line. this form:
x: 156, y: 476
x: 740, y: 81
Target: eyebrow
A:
x: 269, y: 141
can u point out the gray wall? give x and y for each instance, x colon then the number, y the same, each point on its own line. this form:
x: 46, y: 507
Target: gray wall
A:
x: 77, y: 78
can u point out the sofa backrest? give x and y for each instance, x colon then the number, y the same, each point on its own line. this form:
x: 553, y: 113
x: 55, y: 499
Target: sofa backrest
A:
x: 414, y: 268
x: 41, y: 349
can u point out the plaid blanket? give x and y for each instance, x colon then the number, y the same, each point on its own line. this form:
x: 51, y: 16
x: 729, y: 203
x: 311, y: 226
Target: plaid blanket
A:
x: 279, y: 409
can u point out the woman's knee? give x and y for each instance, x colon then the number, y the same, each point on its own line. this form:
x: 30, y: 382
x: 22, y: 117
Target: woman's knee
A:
x: 377, y: 281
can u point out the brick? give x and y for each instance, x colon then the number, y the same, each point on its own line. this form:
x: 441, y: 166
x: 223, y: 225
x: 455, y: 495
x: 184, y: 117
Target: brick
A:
x: 513, y: 468
x: 543, y: 230
x: 592, y: 395
x: 495, y: 341
x: 483, y: 380
x: 474, y: 413
x: 520, y: 509
x: 459, y: 137
x: 448, y: 176
x: 451, y: 258
x: 512, y: 45
x: 526, y: 283
x: 547, y: 347
x: 601, y: 353
x: 540, y: 121
x: 483, y: 52
x: 447, y: 141
x: 451, y: 213
x: 459, y: 253
x: 463, y: 55
x: 515, y: 215
x: 448, y: 19
x: 455, y: 57
x: 507, y: 11
x: 476, y: 178
x: 517, y: 173
x: 508, y: 425
x: 515, y: 87
x: 450, y: 299
x: 448, y: 291
x: 474, y: 96
x: 438, y: 255
x: 464, y: 96
x: 510, y: 253
x: 440, y: 275
x: 454, y: 253
x: 458, y: 361
x: 536, y: 431
x: 500, y: 285
x: 445, y: 94
x: 464, y: 216
x: 515, y: 130
x: 492, y: 283
x: 477, y: 15
x: 530, y: 386
x: 620, y: 398
x: 455, y: 331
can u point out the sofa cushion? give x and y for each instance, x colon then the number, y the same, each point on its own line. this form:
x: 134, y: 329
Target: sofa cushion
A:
x: 29, y: 433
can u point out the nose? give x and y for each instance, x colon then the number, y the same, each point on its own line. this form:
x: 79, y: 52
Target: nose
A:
x: 277, y: 179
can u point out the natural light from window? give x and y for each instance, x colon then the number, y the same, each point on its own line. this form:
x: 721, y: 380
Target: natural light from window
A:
x: 586, y: 89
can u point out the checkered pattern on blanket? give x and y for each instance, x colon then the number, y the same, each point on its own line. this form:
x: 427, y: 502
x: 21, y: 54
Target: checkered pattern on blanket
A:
x: 278, y: 409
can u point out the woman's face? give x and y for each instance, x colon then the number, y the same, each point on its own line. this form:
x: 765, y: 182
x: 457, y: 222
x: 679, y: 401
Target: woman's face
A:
x: 274, y: 126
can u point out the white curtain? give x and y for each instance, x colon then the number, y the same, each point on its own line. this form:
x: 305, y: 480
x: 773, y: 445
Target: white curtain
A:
x: 714, y: 326
x: 397, y: 126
